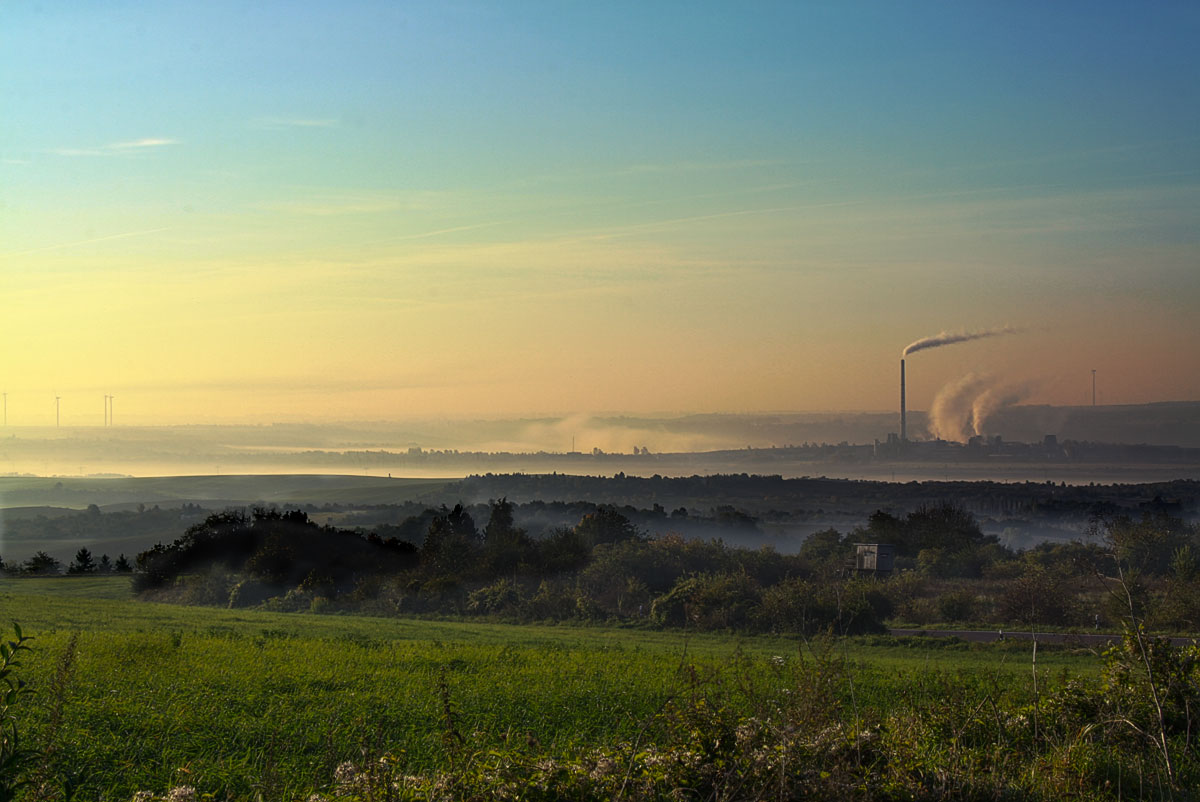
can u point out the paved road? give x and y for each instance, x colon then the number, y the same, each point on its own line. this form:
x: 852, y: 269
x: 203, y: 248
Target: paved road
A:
x: 988, y: 636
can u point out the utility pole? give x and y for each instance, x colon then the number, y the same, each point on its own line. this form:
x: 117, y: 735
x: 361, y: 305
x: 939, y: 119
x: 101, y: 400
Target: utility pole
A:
x: 57, y: 419
x: 1093, y: 387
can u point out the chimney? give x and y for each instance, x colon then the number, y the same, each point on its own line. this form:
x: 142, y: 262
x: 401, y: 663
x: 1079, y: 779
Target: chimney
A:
x: 903, y: 421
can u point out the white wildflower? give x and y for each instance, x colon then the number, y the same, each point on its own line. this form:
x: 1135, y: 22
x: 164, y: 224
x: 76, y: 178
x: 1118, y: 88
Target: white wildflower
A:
x: 182, y: 793
x: 345, y: 774
x: 603, y: 768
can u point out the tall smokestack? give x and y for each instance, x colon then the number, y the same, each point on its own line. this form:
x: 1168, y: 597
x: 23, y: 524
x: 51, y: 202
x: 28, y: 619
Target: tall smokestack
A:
x: 903, y: 422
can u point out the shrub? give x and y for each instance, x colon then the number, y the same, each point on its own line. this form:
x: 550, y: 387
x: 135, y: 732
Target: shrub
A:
x: 808, y: 608
x: 503, y: 595
x: 957, y: 605
x: 14, y: 757
x: 708, y: 601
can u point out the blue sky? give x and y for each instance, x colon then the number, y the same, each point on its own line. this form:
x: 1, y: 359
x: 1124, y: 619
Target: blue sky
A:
x: 525, y: 207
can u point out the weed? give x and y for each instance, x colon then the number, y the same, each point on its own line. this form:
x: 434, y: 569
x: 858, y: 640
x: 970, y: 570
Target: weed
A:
x: 14, y: 757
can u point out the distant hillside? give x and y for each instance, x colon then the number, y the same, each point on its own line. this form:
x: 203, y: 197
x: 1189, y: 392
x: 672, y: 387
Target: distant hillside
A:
x: 449, y: 448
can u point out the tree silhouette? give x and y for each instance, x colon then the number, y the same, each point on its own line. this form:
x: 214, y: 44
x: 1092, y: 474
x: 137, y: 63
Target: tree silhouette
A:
x: 83, y: 563
x: 42, y: 563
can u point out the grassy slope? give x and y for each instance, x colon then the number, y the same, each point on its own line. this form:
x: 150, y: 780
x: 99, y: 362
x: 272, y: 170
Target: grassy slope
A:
x: 227, y: 699
x: 121, y: 492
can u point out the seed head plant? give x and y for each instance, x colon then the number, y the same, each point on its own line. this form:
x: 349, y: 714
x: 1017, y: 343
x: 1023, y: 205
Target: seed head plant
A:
x: 13, y: 756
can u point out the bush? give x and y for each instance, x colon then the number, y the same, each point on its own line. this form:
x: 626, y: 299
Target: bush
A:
x: 851, y: 607
x: 957, y: 605
x: 503, y: 595
x: 1039, y: 596
x: 708, y: 601
x: 250, y: 593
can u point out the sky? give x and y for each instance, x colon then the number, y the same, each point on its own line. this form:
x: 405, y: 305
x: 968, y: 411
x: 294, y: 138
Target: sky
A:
x: 314, y: 211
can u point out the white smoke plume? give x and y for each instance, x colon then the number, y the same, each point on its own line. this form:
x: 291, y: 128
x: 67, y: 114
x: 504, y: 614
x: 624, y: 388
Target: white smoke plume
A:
x: 585, y: 432
x: 962, y: 408
x: 951, y: 416
x: 949, y: 338
x: 996, y: 398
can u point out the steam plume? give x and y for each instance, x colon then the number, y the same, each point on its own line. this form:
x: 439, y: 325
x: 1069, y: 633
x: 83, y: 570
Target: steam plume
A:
x: 951, y: 416
x: 962, y: 408
x: 948, y: 338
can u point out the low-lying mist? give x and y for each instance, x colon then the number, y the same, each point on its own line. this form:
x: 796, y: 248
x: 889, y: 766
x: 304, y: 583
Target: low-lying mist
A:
x: 586, y: 444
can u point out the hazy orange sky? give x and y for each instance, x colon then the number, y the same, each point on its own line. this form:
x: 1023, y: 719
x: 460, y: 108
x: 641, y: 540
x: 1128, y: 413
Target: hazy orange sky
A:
x: 315, y: 211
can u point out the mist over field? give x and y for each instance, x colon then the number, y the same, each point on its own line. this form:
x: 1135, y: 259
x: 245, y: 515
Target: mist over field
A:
x: 839, y: 443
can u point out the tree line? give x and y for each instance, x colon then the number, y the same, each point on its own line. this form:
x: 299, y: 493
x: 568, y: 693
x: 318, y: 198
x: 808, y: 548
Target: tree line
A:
x: 605, y: 568
x: 44, y: 564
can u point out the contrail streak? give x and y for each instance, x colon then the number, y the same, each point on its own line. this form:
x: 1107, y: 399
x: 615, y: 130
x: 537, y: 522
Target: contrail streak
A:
x: 82, y: 242
x: 947, y: 338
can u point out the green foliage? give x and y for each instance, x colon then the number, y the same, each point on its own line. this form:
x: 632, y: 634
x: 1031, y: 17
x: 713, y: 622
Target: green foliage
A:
x: 83, y: 563
x: 503, y: 595
x: 945, y: 540
x: 276, y: 548
x: 1148, y: 545
x: 1039, y: 597
x: 15, y: 758
x: 958, y: 605
x: 844, y: 607
x: 606, y: 525
x: 251, y: 702
x: 41, y: 564
x: 708, y: 601
x: 826, y: 549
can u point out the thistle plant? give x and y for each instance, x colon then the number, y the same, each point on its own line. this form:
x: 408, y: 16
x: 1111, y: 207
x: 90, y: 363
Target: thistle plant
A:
x: 13, y: 757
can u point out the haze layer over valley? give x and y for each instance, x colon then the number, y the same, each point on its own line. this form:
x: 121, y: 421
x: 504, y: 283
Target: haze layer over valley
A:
x: 833, y: 444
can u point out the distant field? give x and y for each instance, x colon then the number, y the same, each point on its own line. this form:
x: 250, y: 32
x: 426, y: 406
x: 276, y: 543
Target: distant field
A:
x: 230, y: 700
x: 121, y: 492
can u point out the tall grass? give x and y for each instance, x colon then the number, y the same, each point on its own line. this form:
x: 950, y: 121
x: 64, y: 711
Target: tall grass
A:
x: 137, y: 697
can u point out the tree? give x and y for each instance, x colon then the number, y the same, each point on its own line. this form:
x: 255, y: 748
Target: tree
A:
x: 1039, y: 596
x: 606, y: 525
x: 83, y: 563
x: 1146, y: 546
x: 506, y: 548
x: 105, y: 565
x: 826, y: 549
x: 450, y: 545
x: 42, y: 564
x: 500, y: 525
x: 122, y: 565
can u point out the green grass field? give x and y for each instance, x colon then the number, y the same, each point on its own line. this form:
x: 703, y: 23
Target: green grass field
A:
x: 236, y: 702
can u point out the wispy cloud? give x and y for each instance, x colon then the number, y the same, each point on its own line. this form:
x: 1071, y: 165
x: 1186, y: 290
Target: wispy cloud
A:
x: 117, y: 148
x: 330, y: 205
x: 295, y: 122
x: 325, y: 204
x: 73, y: 243
x: 148, y: 142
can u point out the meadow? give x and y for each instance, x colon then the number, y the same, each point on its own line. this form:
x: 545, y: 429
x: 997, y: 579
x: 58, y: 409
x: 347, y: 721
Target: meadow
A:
x: 132, y: 696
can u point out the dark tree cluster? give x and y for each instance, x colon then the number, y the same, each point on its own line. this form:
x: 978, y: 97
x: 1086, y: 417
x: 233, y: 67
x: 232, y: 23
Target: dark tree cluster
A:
x: 483, y: 561
x: 44, y: 564
x: 275, y: 547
